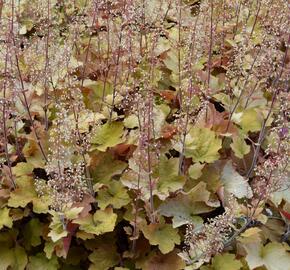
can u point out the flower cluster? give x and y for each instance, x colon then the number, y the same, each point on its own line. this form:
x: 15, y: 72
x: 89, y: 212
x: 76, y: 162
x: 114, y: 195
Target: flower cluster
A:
x: 204, y: 243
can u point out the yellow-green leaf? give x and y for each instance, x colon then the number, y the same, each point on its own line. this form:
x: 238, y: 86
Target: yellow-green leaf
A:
x: 104, y: 257
x: 6, y: 256
x: 57, y: 227
x: 101, y: 222
x: 156, y: 260
x: 274, y: 256
x: 39, y: 261
x: 12, y: 258
x: 104, y: 167
x: 25, y: 193
x: 251, y: 120
x: 131, y: 121
x: 114, y: 194
x: 73, y: 212
x: 5, y: 219
x: 32, y: 232
x: 168, y: 178
x: 161, y: 234
x: 108, y: 135
x: 22, y: 169
x: 226, y: 261
x: 195, y: 170
x: 185, y: 207
x: 240, y: 147
x: 202, y: 145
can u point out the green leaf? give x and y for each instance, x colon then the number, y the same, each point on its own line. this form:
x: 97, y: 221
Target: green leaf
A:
x: 73, y: 212
x: 104, y: 257
x: 32, y: 232
x: 114, y: 194
x: 39, y: 261
x: 274, y: 256
x: 25, y: 193
x: 101, y: 222
x: 5, y: 219
x: 156, y: 260
x: 14, y: 258
x: 104, y: 167
x: 57, y: 226
x: 165, y: 175
x: 202, y: 145
x: 195, y: 170
x: 185, y: 207
x: 108, y: 135
x: 22, y: 169
x: 95, y: 90
x: 20, y: 258
x: 76, y: 254
x: 240, y: 147
x: 211, y: 176
x: 226, y: 261
x: 180, y: 219
x: 6, y: 256
x: 49, y: 248
x: 161, y: 234
x: 251, y: 120
x: 131, y: 180
x: 168, y: 178
x: 131, y: 121
x: 234, y: 183
x: 171, y: 61
x: 32, y: 153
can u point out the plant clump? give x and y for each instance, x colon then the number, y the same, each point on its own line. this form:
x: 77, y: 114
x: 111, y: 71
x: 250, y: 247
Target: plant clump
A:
x: 139, y: 134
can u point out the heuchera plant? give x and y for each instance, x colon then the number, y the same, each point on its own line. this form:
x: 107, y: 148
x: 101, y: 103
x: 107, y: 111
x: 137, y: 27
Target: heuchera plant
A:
x: 144, y: 134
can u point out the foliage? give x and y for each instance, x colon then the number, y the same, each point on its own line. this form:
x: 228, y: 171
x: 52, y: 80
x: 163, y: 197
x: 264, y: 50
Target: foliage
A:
x: 145, y: 134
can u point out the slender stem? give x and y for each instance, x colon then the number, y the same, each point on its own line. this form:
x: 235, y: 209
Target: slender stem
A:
x: 223, y: 33
x: 209, y: 62
x: 136, y: 201
x: 256, y: 18
x: 167, y: 10
x: 254, y: 161
x: 76, y: 118
x: 46, y: 67
x: 26, y: 105
x: 242, y: 90
x: 262, y: 132
x: 107, y: 59
x: 4, y: 120
x: 190, y: 87
x: 88, y: 48
x: 1, y: 7
x: 16, y: 140
x: 87, y: 173
x: 116, y: 77
x: 179, y: 56
x: 250, y: 95
x: 237, y: 20
x: 149, y: 158
x: 237, y: 233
